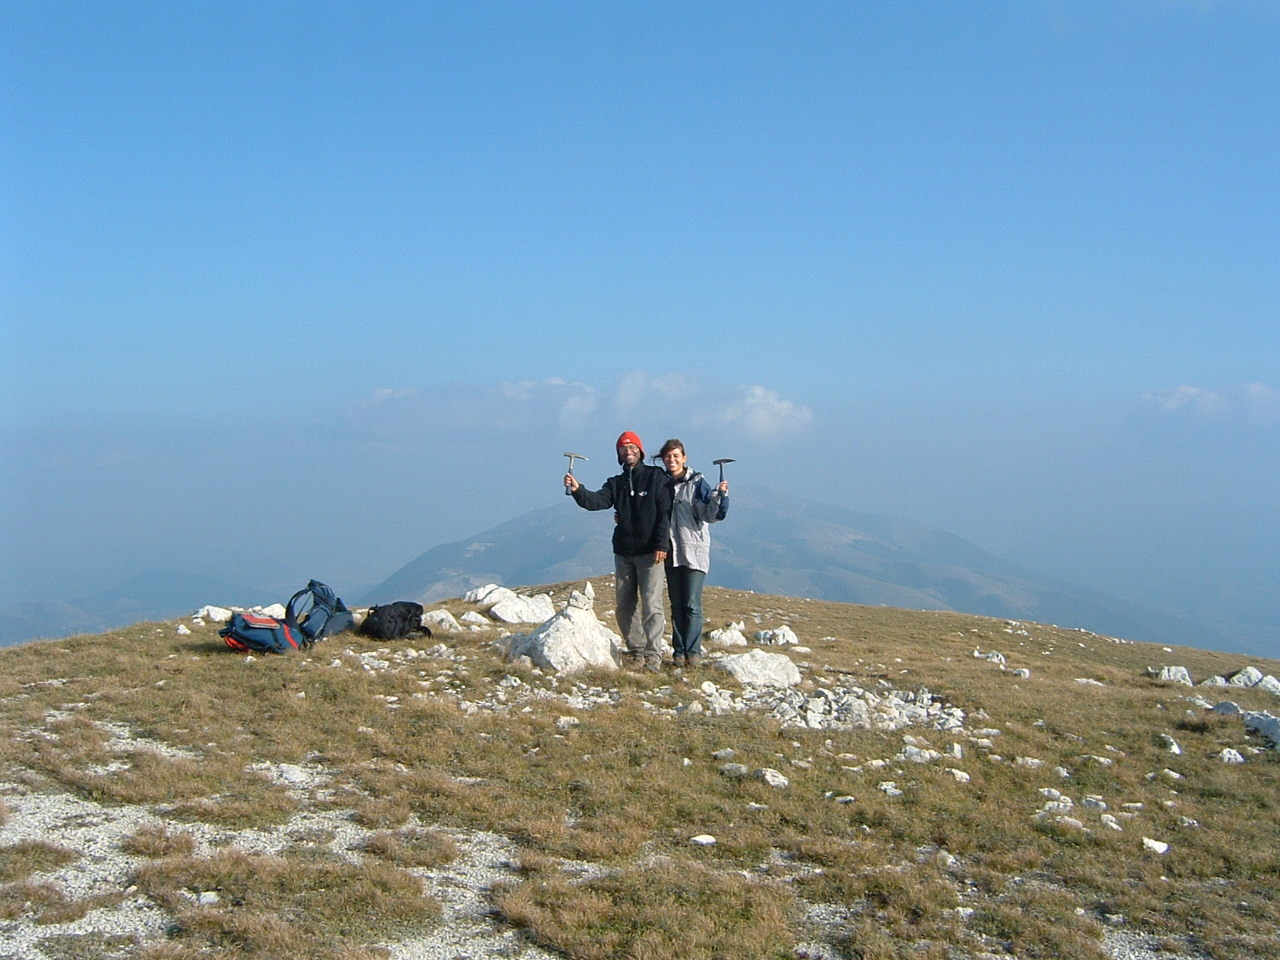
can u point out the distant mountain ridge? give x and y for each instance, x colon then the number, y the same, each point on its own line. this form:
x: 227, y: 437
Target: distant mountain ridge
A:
x: 151, y: 595
x: 771, y: 543
x: 778, y: 544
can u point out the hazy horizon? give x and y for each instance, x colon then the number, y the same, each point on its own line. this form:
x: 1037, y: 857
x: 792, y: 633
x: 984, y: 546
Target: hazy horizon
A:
x: 305, y: 290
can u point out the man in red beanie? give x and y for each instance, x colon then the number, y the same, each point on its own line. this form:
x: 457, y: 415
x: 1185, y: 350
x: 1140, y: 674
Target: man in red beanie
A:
x: 641, y: 500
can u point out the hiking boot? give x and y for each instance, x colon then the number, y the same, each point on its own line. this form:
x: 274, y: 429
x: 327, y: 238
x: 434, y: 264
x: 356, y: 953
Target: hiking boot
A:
x: 633, y: 661
x: 678, y: 661
x: 692, y: 661
x: 654, y: 666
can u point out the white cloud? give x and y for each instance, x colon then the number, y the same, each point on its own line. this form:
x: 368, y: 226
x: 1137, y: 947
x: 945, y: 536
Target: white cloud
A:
x: 670, y: 402
x: 639, y: 393
x: 763, y: 414
x: 1185, y: 397
x: 476, y: 409
x: 1253, y: 403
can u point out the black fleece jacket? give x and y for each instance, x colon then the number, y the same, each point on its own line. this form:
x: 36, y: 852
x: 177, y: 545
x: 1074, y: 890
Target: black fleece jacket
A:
x: 641, y: 498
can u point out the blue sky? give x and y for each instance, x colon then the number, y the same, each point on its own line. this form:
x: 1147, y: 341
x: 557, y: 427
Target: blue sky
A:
x: 304, y: 289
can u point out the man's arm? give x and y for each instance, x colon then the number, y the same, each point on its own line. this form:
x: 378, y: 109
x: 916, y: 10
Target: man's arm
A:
x: 662, y: 498
x: 601, y: 499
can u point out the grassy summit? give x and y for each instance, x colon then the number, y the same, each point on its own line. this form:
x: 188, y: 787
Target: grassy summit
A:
x: 196, y: 803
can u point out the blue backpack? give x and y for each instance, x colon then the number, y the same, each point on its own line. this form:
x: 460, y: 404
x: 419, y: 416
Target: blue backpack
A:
x: 314, y: 612
x: 253, y: 633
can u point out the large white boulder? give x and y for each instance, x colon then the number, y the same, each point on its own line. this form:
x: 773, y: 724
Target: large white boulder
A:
x: 1248, y: 677
x: 519, y: 609
x: 488, y: 594
x: 1171, y: 675
x: 761, y: 669
x: 569, y: 641
x: 1264, y: 725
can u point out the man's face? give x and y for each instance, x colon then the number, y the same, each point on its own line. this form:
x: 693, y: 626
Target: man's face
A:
x: 630, y: 454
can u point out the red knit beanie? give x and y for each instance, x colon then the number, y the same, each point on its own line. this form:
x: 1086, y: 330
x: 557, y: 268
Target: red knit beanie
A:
x: 629, y: 437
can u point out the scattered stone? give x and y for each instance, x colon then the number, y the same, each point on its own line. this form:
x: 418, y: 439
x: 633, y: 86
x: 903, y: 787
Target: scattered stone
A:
x: 216, y: 614
x: 761, y: 669
x: 703, y: 840
x: 443, y: 619
x: 781, y: 636
x: 1264, y: 725
x: 734, y: 771
x: 771, y: 778
x: 1248, y: 677
x: 1155, y: 846
x: 731, y: 636
x: 993, y: 656
x: 889, y: 788
x: 1170, y: 744
x: 1229, y: 755
x: 1171, y: 675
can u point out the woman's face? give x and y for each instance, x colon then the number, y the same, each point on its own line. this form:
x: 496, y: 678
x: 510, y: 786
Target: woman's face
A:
x: 673, y: 460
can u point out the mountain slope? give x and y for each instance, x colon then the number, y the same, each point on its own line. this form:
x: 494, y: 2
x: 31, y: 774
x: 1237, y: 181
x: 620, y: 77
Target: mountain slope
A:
x: 151, y: 595
x: 782, y: 545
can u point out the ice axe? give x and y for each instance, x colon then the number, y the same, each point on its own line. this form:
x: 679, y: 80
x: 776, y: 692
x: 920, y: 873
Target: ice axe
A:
x: 572, y: 457
x: 720, y: 463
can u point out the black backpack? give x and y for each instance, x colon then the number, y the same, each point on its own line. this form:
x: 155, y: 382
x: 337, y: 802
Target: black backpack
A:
x: 391, y: 620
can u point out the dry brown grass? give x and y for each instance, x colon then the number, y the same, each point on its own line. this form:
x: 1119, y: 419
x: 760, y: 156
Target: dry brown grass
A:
x: 669, y: 910
x: 405, y: 750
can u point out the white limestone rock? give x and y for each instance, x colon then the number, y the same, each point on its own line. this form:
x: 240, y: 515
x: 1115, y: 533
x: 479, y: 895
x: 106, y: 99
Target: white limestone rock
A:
x: 1171, y: 675
x: 521, y: 609
x: 490, y: 593
x: 1155, y: 846
x: 1264, y: 725
x: 771, y: 778
x: 760, y: 668
x: 782, y: 636
x: 216, y: 614
x: 443, y: 619
x: 1248, y: 677
x: 569, y: 641
x: 730, y: 636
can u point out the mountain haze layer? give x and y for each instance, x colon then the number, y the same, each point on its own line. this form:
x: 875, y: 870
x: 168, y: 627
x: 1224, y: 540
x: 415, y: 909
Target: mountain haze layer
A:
x: 779, y: 544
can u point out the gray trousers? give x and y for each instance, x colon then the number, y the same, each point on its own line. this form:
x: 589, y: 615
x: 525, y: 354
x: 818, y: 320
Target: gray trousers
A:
x: 640, y: 579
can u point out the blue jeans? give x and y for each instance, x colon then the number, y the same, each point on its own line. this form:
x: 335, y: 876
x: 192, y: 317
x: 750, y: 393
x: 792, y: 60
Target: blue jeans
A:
x: 638, y: 582
x: 684, y: 587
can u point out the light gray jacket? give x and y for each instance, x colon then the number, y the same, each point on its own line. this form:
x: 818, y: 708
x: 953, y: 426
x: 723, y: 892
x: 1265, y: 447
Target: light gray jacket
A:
x: 695, y: 506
